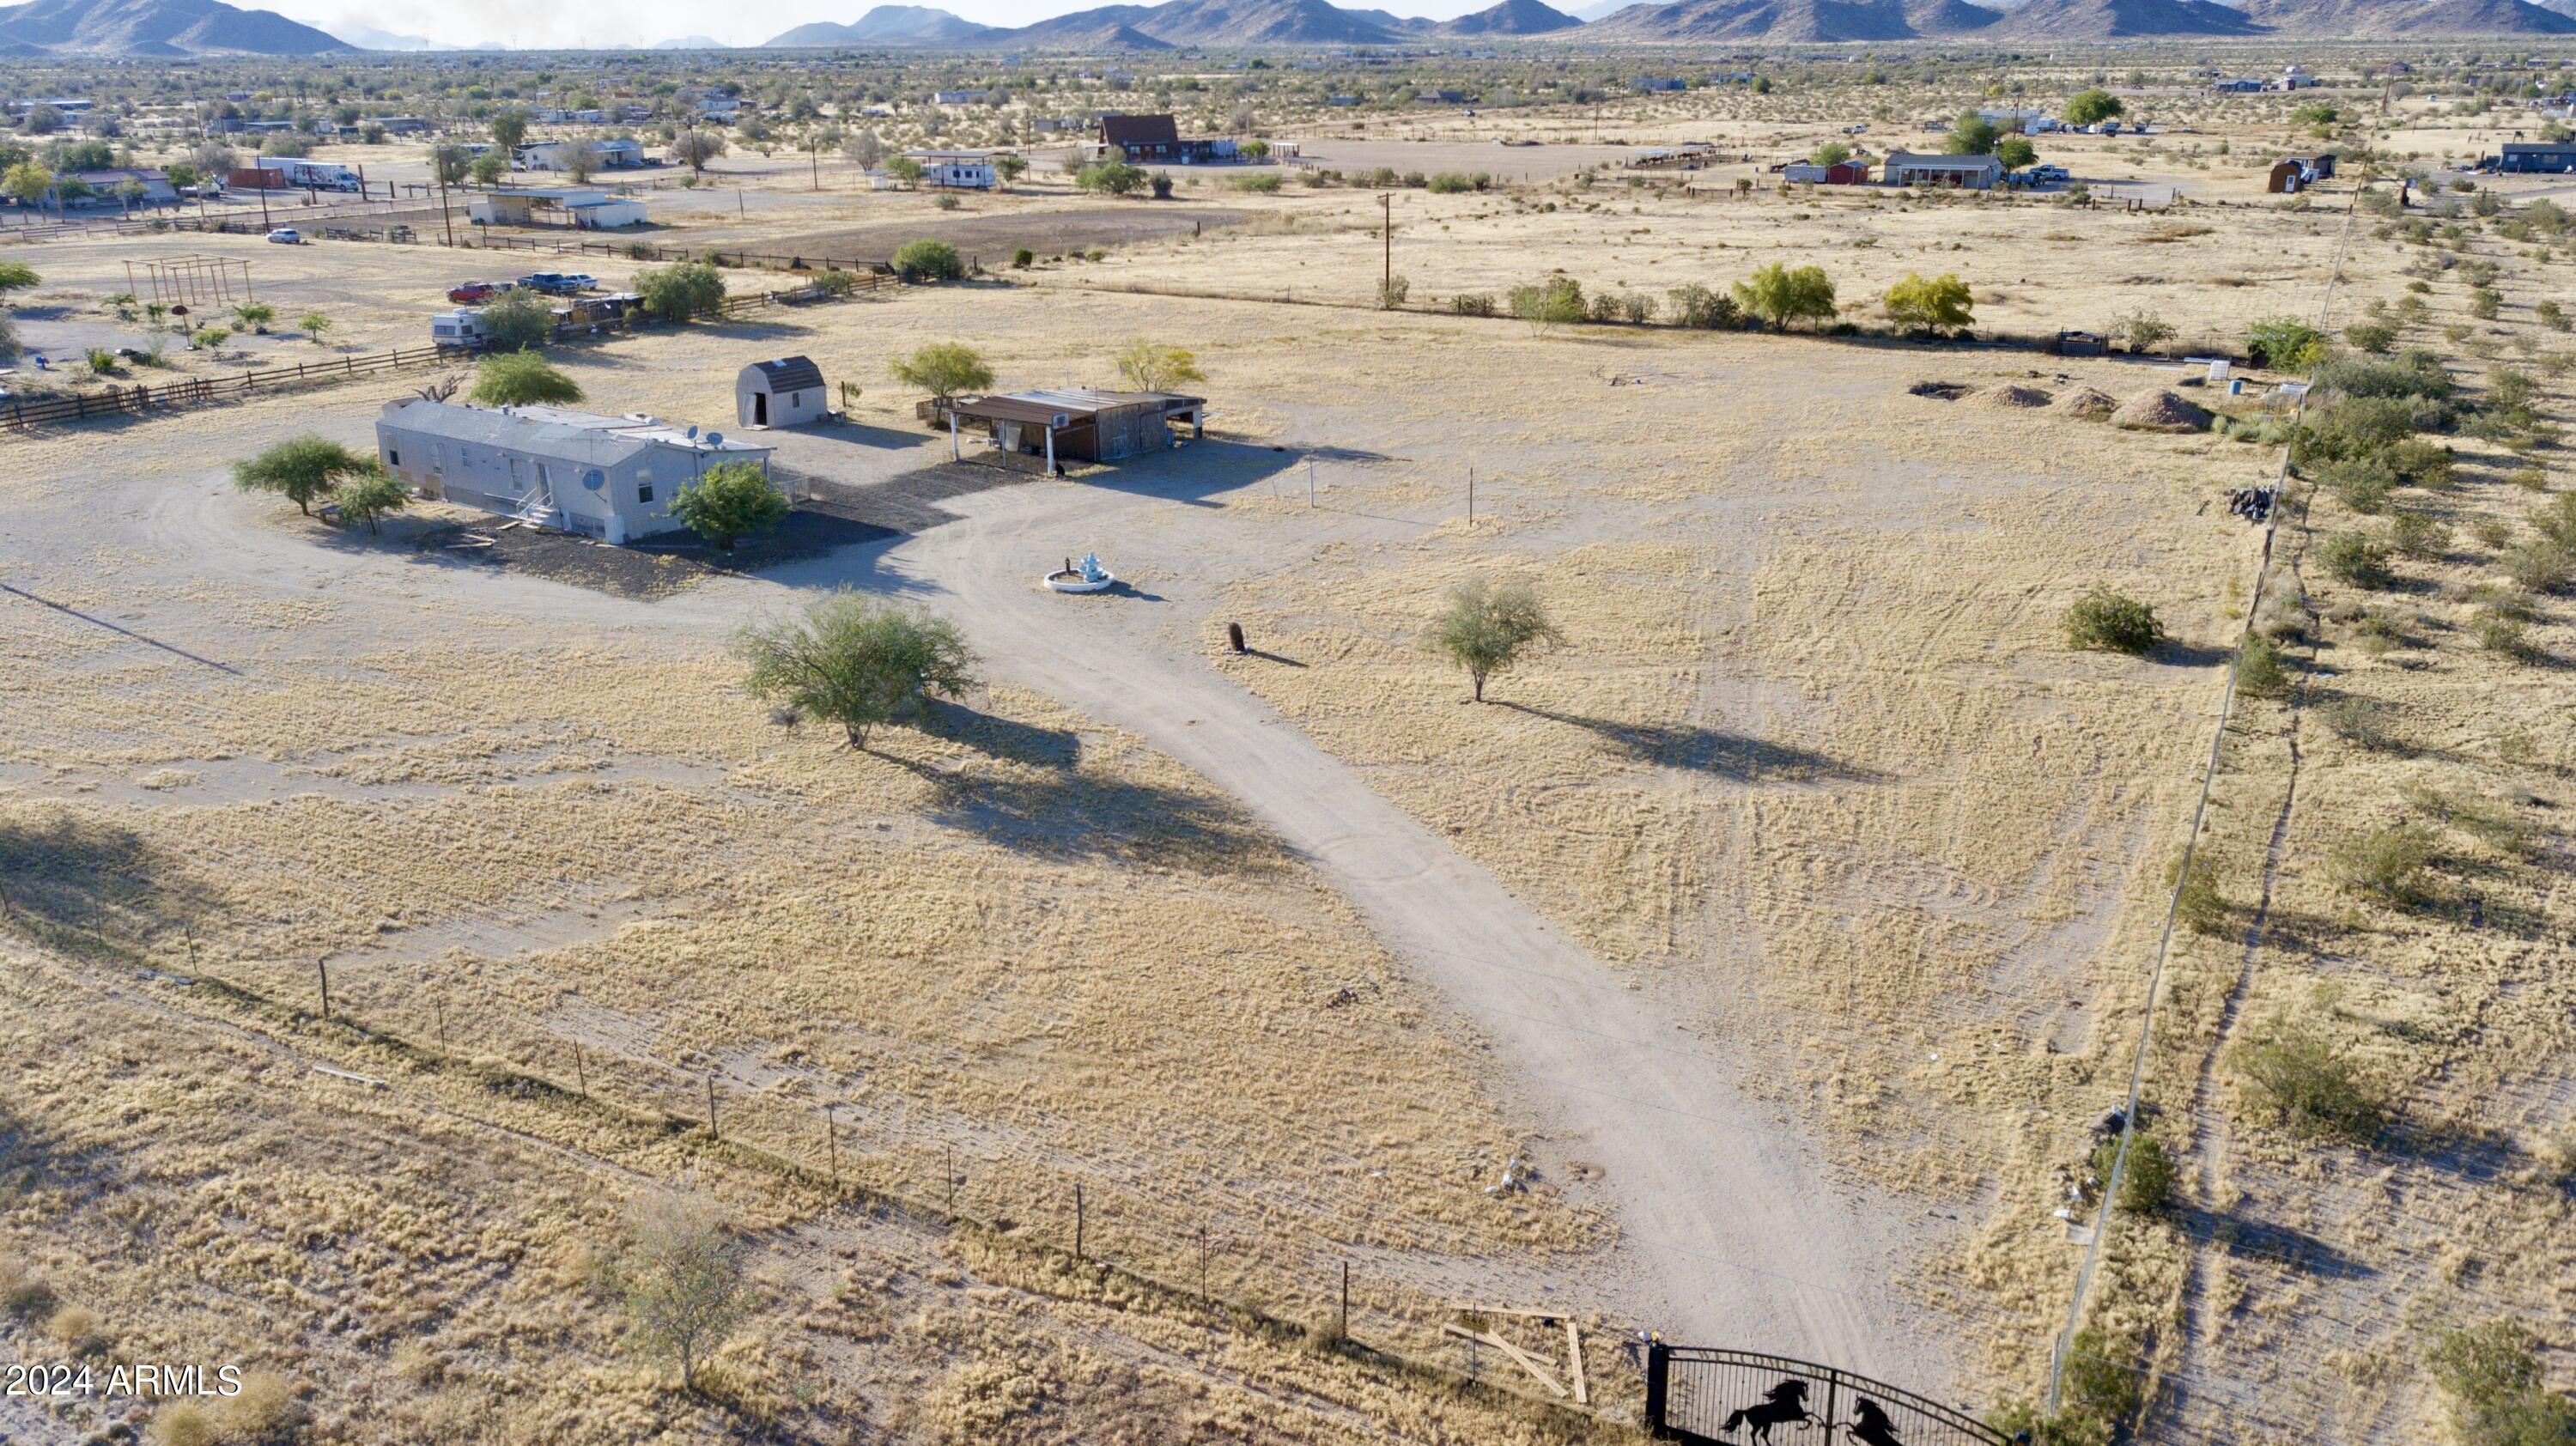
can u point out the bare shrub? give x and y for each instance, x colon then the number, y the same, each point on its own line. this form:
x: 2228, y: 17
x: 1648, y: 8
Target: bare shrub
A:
x: 2302, y: 1081
x: 2388, y: 864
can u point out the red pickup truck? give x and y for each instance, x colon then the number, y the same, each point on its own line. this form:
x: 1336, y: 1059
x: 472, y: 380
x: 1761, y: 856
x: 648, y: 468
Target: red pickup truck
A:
x: 474, y: 291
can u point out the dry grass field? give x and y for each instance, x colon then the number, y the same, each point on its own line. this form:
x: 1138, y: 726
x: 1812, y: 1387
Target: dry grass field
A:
x: 1814, y: 788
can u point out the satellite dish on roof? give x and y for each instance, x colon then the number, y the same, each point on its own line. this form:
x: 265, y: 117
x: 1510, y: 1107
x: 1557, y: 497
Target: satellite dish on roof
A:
x: 693, y: 434
x: 715, y: 439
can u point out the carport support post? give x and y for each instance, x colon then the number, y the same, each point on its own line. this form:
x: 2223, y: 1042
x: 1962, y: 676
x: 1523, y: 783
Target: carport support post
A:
x: 1050, y: 451
x: 952, y: 434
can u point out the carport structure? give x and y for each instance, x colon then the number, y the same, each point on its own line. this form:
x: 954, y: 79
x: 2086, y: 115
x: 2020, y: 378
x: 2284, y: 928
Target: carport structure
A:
x: 1078, y: 424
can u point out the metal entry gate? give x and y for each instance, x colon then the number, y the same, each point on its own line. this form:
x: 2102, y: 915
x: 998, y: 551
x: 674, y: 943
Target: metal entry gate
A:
x: 1746, y: 1398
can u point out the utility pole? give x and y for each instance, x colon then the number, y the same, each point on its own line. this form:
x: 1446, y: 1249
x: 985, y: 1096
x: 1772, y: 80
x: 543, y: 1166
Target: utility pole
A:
x: 1471, y: 494
x: 1386, y: 233
x: 445, y: 215
x: 832, y: 1144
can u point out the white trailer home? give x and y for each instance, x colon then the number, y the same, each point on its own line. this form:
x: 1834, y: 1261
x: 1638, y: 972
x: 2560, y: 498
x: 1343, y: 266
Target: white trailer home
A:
x: 321, y: 175
x: 612, y: 478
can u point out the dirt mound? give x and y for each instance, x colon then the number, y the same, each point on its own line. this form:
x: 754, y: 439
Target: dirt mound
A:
x: 2160, y: 411
x: 2005, y: 394
x: 1946, y: 391
x: 2087, y: 403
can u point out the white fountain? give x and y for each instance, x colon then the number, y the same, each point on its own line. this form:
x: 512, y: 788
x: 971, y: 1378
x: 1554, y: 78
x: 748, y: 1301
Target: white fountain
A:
x: 1085, y: 576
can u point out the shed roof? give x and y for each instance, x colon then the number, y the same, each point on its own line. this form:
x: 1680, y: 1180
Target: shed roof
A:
x: 1044, y: 405
x: 1131, y: 130
x: 787, y: 374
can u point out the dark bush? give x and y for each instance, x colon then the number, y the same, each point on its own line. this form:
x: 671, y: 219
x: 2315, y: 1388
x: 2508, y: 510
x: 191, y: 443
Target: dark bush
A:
x: 2104, y: 619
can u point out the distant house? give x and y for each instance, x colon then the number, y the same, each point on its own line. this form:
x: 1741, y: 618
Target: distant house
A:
x: 1142, y: 137
x: 621, y: 153
x: 787, y: 392
x: 581, y: 207
x: 2237, y: 86
x: 1853, y: 172
x: 2527, y: 156
x: 957, y: 97
x: 1341, y: 100
x: 2285, y: 178
x: 127, y: 187
x: 2026, y: 122
x: 1646, y: 83
x: 1158, y: 138
x: 956, y: 170
x: 612, y: 478
x: 1975, y: 173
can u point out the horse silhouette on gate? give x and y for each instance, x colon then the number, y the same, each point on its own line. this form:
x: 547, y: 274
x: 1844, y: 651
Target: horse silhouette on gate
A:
x: 1783, y: 1403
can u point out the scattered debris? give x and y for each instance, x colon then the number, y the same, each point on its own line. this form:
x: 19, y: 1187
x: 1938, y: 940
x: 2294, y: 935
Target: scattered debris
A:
x: 1941, y: 391
x: 1516, y: 1177
x: 369, y: 1081
x: 155, y: 976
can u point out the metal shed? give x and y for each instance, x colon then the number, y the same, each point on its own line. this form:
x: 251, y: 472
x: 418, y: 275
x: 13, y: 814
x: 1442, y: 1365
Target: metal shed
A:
x: 1080, y: 424
x: 787, y: 392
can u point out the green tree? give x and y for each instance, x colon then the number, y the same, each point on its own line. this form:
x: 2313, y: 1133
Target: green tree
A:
x: 680, y: 293
x: 2300, y: 1078
x: 1116, y: 178
x: 2496, y: 1391
x: 728, y: 501
x: 2104, y: 619
x: 518, y: 321
x: 682, y: 1279
x: 1487, y: 628
x: 1147, y: 367
x: 1780, y: 293
x: 944, y: 369
x: 904, y: 169
x: 2092, y: 107
x: 1936, y: 304
x: 2016, y: 152
x: 16, y: 276
x: 857, y: 662
x: 1972, y: 136
x: 1010, y: 168
x: 316, y: 324
x: 449, y: 163
x: 509, y: 127
x: 1831, y: 153
x: 516, y: 378
x: 370, y: 494
x: 28, y: 182
x: 928, y: 260
x: 2285, y: 343
x: 1557, y: 301
x: 301, y: 469
x: 490, y: 167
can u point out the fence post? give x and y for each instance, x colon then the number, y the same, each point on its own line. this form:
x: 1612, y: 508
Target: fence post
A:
x: 1077, y: 1220
x: 832, y: 1144
x: 711, y: 1108
x: 1659, y: 1367
x: 323, y: 966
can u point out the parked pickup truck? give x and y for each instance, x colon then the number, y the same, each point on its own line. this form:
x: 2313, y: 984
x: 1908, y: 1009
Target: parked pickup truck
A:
x: 558, y: 283
x: 474, y: 291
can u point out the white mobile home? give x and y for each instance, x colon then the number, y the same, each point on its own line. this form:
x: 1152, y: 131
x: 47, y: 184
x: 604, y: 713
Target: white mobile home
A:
x: 612, y: 478
x: 956, y: 170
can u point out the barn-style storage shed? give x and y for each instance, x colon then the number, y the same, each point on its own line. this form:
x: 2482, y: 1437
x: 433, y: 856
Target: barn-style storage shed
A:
x: 1082, y: 425
x: 787, y: 392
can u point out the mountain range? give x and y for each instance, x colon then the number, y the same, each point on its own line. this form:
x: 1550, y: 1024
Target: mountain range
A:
x: 148, y: 28
x: 1216, y: 24
x: 144, y: 28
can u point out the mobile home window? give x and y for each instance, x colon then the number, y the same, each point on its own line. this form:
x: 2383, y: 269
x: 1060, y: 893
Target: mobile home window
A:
x: 643, y: 491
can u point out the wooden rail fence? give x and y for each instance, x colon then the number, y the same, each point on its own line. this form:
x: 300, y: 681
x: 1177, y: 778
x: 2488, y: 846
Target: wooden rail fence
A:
x: 18, y: 414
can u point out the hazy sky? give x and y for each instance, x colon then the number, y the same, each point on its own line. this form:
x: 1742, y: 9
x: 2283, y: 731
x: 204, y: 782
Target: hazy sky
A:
x: 642, y: 22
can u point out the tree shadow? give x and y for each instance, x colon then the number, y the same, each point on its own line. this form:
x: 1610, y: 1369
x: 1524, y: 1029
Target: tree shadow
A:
x: 1000, y: 737
x: 2174, y: 654
x: 1062, y: 812
x: 2246, y: 1238
x: 35, y: 1158
x: 1697, y: 749
x: 65, y: 874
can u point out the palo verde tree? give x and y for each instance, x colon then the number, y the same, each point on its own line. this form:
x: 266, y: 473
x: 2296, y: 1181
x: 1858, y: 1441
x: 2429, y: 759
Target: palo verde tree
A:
x: 857, y: 662
x: 518, y: 321
x: 1780, y: 293
x: 1147, y: 367
x: 944, y: 369
x: 509, y: 127
x: 449, y: 164
x: 695, y: 148
x: 16, y: 276
x: 370, y: 494
x: 1936, y: 304
x: 729, y: 501
x: 680, y: 293
x: 928, y: 260
x: 516, y: 378
x: 2092, y: 107
x: 682, y: 1279
x: 303, y: 470
x: 1487, y: 628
